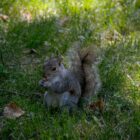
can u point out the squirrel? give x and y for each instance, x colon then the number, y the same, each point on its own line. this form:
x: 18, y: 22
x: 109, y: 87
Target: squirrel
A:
x: 69, y: 87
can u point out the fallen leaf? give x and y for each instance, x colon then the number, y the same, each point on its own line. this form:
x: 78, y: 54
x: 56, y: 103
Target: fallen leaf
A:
x: 12, y: 111
x: 97, y: 105
x: 4, y: 17
x: 26, y: 16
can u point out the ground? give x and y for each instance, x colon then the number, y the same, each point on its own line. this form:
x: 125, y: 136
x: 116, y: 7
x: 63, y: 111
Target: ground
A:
x: 32, y: 30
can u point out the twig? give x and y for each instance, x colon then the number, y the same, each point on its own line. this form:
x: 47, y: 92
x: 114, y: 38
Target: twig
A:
x: 8, y: 91
x: 21, y: 94
x: 23, y: 64
x: 12, y: 92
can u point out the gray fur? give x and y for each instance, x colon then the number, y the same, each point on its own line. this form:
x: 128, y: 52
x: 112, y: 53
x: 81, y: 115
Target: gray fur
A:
x: 59, y: 88
x: 66, y: 87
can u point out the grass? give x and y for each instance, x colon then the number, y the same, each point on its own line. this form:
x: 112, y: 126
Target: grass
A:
x: 52, y: 27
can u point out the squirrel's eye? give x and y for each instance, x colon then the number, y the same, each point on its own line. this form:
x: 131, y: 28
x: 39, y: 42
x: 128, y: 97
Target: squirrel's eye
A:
x: 53, y: 69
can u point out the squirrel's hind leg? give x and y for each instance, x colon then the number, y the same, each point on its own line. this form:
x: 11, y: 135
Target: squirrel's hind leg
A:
x: 50, y: 100
x: 68, y: 102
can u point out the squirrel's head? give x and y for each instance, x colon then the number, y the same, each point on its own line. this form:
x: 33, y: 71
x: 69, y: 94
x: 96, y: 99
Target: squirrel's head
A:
x: 51, y: 67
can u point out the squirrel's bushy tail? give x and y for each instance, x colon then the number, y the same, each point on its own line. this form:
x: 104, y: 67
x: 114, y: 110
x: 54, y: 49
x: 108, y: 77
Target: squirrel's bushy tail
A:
x: 82, y: 64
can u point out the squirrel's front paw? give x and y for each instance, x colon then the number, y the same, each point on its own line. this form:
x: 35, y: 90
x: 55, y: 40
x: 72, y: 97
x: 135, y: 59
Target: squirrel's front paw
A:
x: 44, y: 83
x: 41, y: 82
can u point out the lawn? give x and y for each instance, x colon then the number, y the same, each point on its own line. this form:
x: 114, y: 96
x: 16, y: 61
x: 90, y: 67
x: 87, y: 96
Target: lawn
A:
x: 36, y: 29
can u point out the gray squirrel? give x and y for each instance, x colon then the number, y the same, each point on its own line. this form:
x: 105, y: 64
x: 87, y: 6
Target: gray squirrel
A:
x: 68, y: 87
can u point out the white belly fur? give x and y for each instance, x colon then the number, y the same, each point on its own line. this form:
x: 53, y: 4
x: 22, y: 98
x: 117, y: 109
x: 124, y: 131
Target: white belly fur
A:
x: 56, y: 100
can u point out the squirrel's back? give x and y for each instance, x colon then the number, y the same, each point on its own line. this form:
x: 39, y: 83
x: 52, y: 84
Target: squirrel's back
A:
x: 82, y: 64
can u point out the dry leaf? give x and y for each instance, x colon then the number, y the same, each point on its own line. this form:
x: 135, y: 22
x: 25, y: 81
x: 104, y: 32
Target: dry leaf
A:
x: 4, y: 17
x: 97, y: 105
x: 26, y: 16
x: 12, y: 111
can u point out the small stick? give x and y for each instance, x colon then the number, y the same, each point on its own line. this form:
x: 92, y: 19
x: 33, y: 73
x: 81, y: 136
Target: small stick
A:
x: 8, y: 91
